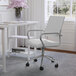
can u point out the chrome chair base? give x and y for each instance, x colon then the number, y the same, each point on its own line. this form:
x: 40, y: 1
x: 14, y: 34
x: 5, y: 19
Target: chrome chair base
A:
x: 41, y: 66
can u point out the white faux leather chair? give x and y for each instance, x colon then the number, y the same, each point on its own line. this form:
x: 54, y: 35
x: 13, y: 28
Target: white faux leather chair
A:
x: 53, y: 28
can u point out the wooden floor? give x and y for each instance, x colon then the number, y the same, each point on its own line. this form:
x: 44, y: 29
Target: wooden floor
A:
x: 61, y: 51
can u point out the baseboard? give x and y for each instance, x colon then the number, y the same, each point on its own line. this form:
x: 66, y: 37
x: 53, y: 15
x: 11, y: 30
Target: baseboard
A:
x: 61, y: 51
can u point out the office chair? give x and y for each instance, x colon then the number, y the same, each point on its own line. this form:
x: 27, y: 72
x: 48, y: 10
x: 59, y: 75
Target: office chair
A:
x: 54, y: 27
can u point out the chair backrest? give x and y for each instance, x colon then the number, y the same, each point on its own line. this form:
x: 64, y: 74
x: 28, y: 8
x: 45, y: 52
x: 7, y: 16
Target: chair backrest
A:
x: 54, y: 24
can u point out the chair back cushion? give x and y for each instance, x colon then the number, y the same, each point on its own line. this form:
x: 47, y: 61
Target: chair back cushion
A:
x: 54, y: 24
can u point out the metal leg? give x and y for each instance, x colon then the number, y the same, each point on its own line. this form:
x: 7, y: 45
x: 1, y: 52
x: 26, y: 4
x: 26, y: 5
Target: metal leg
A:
x: 16, y: 38
x: 9, y: 49
x: 34, y: 51
x: 35, y: 59
x: 41, y: 67
x: 28, y: 57
x: 28, y: 53
x: 42, y: 56
x: 3, y: 51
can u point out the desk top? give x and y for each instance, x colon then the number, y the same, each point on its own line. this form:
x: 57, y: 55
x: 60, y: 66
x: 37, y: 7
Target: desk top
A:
x: 16, y: 23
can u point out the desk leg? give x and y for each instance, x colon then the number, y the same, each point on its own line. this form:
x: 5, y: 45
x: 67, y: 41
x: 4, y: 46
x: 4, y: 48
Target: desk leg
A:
x: 3, y: 51
x: 16, y: 38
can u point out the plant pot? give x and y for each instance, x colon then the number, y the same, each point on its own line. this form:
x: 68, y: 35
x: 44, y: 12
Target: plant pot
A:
x: 18, y: 12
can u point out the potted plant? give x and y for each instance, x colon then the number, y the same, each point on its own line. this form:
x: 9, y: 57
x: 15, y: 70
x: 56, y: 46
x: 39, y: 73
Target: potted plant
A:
x: 18, y: 5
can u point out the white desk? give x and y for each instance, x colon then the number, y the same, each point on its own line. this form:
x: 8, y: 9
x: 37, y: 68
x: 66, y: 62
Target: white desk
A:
x: 4, y: 25
x: 16, y: 24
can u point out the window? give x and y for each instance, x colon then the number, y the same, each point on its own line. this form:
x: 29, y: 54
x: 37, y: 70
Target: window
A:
x: 65, y: 8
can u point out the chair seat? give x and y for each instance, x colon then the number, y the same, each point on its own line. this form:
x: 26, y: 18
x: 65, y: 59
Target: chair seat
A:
x: 37, y: 43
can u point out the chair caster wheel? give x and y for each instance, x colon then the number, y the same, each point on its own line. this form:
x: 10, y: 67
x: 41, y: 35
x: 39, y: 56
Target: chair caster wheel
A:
x: 35, y: 60
x: 56, y: 65
x: 27, y: 64
x: 52, y: 61
x: 41, y: 68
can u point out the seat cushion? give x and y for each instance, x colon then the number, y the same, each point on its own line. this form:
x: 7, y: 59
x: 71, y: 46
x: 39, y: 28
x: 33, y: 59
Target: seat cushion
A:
x: 37, y: 43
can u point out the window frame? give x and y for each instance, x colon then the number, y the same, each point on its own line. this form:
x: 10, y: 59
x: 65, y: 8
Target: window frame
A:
x: 70, y: 18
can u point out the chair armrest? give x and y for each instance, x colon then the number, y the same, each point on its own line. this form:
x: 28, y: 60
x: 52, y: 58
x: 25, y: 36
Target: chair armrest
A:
x: 51, y: 33
x: 38, y: 30
x: 43, y: 34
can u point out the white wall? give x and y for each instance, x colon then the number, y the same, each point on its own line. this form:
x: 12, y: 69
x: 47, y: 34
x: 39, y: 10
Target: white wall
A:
x: 35, y: 11
x: 68, y: 38
x: 6, y: 14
